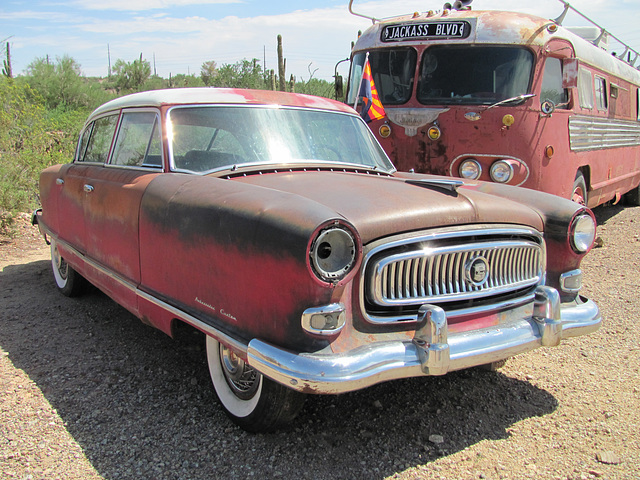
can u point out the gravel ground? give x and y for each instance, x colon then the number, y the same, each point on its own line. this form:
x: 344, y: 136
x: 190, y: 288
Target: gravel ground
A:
x: 89, y: 392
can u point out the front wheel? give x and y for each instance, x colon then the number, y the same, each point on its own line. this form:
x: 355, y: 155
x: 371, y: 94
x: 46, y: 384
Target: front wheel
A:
x: 68, y: 281
x: 579, y: 193
x: 250, y: 400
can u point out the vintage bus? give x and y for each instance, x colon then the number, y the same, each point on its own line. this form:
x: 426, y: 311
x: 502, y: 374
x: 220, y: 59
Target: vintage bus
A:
x: 506, y: 97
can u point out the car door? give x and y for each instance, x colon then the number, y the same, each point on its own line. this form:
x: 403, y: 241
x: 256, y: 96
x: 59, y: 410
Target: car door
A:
x: 113, y: 200
x: 93, y: 150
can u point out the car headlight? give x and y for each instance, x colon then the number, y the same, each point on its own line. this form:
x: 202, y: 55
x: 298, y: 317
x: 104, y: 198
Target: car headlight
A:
x: 470, y: 169
x: 583, y: 232
x: 501, y: 171
x: 333, y: 253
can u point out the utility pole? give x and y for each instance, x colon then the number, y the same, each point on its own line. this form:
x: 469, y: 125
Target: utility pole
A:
x: 109, y: 60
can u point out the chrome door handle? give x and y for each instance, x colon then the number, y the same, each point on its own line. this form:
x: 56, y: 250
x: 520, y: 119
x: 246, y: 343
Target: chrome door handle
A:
x: 88, y: 188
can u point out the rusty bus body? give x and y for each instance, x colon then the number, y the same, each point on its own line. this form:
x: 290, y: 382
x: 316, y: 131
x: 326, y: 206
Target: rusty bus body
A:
x: 506, y: 97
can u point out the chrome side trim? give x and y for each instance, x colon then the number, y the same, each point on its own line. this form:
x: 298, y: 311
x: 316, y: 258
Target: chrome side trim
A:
x: 234, y: 344
x: 382, y: 361
x: 595, y: 133
x: 221, y: 337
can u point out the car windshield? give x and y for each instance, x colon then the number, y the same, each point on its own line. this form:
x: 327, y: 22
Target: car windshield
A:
x: 473, y: 75
x: 209, y: 138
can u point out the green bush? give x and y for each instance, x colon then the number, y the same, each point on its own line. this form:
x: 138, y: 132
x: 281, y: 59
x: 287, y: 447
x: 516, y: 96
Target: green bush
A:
x: 31, y: 139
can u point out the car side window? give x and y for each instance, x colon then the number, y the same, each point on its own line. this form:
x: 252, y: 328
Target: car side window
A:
x: 82, y: 144
x: 100, y: 139
x: 138, y: 141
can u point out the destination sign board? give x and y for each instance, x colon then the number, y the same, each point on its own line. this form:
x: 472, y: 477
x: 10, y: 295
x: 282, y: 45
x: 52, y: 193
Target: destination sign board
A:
x: 425, y: 31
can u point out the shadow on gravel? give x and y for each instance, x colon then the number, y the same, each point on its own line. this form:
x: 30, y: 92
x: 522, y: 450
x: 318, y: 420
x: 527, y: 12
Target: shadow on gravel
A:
x: 141, y: 405
x: 606, y: 212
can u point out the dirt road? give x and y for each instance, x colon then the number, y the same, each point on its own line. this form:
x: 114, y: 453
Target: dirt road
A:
x: 89, y: 392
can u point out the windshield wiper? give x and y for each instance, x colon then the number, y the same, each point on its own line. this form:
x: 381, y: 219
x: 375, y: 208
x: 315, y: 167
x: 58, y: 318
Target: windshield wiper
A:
x: 512, y: 99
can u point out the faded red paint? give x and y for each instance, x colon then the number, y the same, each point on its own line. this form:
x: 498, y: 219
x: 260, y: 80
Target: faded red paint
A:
x: 608, y: 172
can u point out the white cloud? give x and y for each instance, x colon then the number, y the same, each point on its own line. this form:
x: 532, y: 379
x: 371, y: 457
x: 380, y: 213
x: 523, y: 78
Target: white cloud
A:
x: 144, y: 5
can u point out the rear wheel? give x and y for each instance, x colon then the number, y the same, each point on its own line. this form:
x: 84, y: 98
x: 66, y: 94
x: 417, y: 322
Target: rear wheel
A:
x: 579, y: 193
x: 250, y: 400
x: 68, y: 281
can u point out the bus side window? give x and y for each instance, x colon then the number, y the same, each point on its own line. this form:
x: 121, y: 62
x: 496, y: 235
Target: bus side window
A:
x: 638, y: 103
x: 585, y: 88
x: 601, y: 93
x: 552, y: 84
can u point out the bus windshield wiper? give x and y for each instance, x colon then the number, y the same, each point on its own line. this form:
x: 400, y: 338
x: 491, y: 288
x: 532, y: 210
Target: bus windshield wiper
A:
x: 512, y: 99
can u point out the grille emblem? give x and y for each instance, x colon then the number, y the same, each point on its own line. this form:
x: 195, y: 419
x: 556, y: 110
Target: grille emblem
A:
x: 477, y: 271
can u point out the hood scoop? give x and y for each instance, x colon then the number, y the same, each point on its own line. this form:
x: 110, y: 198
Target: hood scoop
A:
x: 450, y: 185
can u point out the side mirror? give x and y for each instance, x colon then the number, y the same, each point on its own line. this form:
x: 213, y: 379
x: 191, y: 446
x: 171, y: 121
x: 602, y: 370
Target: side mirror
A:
x: 548, y: 107
x: 569, y: 73
x: 339, y: 87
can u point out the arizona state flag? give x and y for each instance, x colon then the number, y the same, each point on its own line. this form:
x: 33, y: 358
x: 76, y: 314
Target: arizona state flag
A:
x: 372, y: 108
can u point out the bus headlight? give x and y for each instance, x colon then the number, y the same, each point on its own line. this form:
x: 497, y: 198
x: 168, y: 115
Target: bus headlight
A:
x: 470, y: 169
x: 501, y: 171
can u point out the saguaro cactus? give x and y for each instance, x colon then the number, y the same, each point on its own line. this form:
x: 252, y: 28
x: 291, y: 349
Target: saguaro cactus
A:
x: 282, y: 64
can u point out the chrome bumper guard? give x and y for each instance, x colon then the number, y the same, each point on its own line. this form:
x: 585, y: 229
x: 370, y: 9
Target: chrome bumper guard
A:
x: 431, y: 352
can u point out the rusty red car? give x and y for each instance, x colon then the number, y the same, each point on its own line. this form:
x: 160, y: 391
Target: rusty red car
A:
x: 276, y: 225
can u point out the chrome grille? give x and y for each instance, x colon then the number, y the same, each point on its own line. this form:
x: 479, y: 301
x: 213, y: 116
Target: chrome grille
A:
x: 441, y: 267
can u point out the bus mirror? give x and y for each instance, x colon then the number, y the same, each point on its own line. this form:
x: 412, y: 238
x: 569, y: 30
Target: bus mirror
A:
x: 339, y: 88
x: 569, y: 73
x: 548, y: 107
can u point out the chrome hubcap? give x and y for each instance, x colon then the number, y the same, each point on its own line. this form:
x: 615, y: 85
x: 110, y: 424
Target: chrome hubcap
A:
x: 241, y: 378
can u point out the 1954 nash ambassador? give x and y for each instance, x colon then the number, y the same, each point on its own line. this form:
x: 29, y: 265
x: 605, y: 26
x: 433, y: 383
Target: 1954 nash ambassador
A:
x: 275, y: 224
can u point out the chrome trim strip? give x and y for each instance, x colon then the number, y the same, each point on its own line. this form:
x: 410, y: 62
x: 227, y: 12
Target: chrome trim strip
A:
x: 377, y: 362
x: 179, y: 314
x: 195, y: 322
x: 595, y: 133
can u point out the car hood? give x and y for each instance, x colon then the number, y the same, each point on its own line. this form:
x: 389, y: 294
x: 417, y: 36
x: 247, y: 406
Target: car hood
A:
x: 380, y: 205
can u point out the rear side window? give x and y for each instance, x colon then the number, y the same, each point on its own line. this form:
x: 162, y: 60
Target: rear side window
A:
x: 99, y: 142
x: 585, y: 88
x: 138, y: 141
x: 601, y: 93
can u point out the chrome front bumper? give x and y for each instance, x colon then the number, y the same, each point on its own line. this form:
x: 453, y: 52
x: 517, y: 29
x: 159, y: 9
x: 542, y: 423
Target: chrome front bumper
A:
x: 431, y: 352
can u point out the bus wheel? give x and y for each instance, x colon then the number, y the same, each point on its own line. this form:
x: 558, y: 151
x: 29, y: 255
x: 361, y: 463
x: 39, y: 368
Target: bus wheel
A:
x: 579, y: 193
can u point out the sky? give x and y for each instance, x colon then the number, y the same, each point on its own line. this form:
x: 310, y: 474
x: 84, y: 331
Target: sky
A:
x: 177, y: 36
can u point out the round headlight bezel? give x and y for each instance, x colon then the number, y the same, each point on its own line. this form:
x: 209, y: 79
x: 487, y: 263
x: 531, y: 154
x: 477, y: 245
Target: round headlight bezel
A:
x: 499, y: 177
x: 333, y: 253
x: 470, y: 165
x: 583, y: 232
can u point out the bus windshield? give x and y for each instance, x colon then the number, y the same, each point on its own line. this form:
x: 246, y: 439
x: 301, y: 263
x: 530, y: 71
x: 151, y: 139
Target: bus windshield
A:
x: 474, y: 75
x: 393, y: 71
